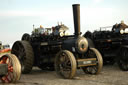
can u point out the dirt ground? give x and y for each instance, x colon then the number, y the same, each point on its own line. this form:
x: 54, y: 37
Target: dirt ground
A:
x: 110, y: 75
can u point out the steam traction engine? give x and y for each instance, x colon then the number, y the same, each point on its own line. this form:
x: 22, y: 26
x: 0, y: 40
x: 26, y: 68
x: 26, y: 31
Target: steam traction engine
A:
x: 113, y: 45
x: 58, y: 50
x: 10, y: 68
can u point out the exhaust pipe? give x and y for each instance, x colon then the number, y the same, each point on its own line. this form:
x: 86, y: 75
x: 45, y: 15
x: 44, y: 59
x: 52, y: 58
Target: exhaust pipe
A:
x: 76, y: 16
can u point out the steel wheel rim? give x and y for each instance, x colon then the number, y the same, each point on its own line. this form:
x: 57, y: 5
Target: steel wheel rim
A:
x: 9, y: 76
x: 99, y: 62
x: 65, y: 64
x: 14, y: 68
x: 92, y: 69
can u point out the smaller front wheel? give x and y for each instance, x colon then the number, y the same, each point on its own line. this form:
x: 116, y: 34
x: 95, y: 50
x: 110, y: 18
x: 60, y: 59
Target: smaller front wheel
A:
x: 94, y: 53
x: 14, y: 68
x: 65, y: 64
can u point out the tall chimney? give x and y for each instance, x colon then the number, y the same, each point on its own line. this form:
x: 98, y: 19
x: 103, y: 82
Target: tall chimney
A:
x: 76, y: 15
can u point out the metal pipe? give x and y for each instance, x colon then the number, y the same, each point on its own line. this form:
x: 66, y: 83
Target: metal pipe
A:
x: 76, y: 16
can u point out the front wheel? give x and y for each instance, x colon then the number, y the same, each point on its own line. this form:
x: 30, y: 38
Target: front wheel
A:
x: 65, y: 64
x: 14, y: 68
x: 123, y: 59
x: 94, y: 53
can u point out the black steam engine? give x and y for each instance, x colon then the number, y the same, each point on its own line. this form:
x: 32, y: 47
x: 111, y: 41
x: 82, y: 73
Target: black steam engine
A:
x: 112, y: 44
x: 58, y: 50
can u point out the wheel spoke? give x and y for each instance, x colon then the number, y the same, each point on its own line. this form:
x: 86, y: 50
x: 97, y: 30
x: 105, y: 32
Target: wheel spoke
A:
x: 8, y: 77
x: 4, y: 60
x: 63, y: 64
x: 93, y: 53
x: 14, y: 68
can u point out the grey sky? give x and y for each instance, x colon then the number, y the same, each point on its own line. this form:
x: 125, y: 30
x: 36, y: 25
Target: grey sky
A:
x: 18, y: 16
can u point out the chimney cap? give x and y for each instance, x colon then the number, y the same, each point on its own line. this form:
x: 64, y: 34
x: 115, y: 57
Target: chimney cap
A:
x: 76, y: 4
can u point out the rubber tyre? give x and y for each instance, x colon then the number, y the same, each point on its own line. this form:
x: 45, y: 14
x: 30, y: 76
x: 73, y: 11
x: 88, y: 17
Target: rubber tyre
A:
x: 23, y: 50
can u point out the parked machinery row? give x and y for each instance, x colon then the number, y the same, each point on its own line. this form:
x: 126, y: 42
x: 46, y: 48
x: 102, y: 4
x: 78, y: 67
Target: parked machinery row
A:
x: 112, y: 44
x: 54, y: 49
x: 58, y: 50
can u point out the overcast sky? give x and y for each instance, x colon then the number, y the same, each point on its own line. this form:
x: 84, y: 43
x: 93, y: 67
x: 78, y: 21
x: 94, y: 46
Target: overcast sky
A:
x: 18, y: 16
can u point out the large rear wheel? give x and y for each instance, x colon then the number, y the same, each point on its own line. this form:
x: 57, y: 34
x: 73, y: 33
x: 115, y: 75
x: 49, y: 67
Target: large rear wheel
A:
x: 23, y: 50
x: 94, y: 53
x: 14, y: 68
x: 65, y: 64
